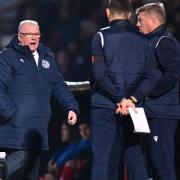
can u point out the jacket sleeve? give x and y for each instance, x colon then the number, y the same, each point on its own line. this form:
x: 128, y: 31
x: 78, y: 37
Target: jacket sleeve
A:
x: 7, y: 107
x: 150, y: 75
x: 99, y: 68
x: 168, y: 56
x: 61, y: 92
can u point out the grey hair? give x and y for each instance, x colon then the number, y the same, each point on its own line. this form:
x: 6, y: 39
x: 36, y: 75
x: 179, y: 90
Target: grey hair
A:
x: 27, y: 22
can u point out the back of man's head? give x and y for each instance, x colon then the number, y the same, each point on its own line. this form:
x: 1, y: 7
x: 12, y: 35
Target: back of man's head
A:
x: 154, y: 9
x: 120, y: 6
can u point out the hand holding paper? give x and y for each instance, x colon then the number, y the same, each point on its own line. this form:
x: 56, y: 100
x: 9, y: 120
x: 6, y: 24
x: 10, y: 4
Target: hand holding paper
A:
x: 139, y: 120
x: 122, y: 107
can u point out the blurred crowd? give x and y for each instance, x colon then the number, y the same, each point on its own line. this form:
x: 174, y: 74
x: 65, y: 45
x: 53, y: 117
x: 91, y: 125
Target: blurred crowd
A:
x: 73, y: 160
x: 67, y: 27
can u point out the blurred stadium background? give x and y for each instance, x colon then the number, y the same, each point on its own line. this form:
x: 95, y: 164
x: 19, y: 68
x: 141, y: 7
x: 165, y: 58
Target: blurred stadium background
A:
x: 67, y: 26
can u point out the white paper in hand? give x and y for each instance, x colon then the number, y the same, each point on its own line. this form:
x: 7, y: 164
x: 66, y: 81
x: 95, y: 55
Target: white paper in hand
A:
x: 139, y: 120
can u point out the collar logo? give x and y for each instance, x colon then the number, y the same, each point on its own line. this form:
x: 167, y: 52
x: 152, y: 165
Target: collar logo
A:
x: 45, y: 64
x: 22, y: 60
x: 155, y: 138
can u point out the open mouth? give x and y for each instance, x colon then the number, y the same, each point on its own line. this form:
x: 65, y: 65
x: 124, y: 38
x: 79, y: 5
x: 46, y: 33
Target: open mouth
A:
x: 32, y: 44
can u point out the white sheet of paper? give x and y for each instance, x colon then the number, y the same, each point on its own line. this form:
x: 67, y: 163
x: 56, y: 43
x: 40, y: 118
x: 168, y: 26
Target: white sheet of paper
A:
x: 139, y: 120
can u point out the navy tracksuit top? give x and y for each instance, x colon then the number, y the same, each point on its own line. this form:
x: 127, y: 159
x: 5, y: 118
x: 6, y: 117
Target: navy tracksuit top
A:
x: 164, y: 101
x: 122, y: 64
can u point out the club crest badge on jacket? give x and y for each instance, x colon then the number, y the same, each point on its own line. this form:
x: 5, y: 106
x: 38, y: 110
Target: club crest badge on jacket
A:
x: 45, y: 64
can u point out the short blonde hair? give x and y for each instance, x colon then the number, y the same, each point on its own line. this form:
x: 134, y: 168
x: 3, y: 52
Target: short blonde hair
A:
x: 27, y: 22
x: 154, y: 8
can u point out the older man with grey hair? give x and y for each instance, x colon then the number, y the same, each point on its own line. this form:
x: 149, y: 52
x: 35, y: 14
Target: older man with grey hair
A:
x: 28, y: 79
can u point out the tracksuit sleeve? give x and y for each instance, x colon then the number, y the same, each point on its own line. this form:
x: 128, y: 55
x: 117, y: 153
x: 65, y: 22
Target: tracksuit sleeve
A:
x: 99, y: 68
x: 7, y: 108
x: 62, y: 93
x: 168, y: 55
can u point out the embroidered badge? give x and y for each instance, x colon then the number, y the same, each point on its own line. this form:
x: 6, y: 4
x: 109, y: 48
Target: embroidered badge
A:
x: 45, y: 64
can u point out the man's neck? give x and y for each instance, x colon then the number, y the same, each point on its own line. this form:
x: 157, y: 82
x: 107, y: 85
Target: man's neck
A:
x: 118, y: 16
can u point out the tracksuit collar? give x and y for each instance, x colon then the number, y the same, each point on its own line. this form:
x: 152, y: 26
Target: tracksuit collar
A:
x: 119, y: 22
x: 158, y: 31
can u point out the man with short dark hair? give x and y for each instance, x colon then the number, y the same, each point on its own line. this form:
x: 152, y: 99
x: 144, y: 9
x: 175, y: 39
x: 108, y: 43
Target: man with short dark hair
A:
x: 120, y: 61
x: 28, y: 79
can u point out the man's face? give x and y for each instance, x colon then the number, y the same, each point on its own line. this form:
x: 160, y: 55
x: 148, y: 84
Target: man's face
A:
x: 29, y: 35
x: 145, y: 23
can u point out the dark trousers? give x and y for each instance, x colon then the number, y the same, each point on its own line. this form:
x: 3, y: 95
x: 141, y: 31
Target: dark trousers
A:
x: 112, y: 136
x: 133, y: 153
x: 22, y: 165
x: 160, y: 148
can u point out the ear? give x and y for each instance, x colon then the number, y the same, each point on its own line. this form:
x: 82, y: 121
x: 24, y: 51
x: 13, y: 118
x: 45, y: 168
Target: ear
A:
x: 108, y: 13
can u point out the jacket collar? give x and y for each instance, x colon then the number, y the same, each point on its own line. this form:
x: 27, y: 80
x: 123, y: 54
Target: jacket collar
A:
x: 14, y: 43
x: 119, y: 22
x: 158, y: 31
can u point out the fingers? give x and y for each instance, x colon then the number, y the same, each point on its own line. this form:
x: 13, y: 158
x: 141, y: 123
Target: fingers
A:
x: 135, y: 110
x: 123, y: 106
x: 72, y: 118
x: 118, y: 110
x: 132, y: 105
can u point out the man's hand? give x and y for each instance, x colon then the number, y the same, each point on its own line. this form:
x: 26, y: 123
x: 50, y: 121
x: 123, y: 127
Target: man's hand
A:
x: 72, y: 117
x: 124, y: 105
x: 121, y: 107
